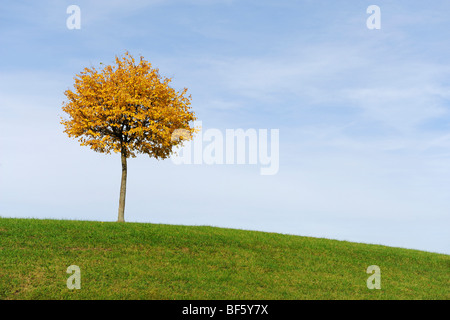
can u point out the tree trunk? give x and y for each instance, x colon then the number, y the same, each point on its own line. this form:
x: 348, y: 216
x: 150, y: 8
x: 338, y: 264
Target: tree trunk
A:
x: 123, y: 188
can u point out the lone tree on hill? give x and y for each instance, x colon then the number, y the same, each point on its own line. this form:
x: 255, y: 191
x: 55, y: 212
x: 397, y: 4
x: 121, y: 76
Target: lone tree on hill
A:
x: 127, y: 108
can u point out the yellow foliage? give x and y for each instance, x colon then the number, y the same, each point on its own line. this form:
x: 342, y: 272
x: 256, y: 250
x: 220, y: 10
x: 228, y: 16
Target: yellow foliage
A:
x: 128, y: 108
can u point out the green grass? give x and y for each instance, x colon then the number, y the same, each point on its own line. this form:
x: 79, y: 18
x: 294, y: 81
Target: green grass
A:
x: 153, y: 261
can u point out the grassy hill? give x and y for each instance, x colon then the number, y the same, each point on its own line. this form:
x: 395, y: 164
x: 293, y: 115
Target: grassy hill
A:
x: 152, y: 261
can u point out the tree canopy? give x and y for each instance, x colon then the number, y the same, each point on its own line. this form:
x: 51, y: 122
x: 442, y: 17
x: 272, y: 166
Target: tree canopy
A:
x: 128, y: 108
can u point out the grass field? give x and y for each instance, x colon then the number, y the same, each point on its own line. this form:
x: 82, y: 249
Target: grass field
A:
x: 153, y: 261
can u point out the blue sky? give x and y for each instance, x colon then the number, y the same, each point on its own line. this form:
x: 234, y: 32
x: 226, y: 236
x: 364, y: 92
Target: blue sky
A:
x: 364, y: 115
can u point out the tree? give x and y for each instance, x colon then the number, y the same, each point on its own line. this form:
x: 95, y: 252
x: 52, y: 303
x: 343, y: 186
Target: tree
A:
x: 128, y: 108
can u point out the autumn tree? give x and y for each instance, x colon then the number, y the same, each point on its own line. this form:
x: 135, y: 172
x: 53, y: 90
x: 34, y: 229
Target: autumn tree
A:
x: 127, y: 108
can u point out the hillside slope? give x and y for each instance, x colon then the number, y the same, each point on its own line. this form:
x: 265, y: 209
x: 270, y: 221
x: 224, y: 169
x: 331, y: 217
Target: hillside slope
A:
x: 152, y: 261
